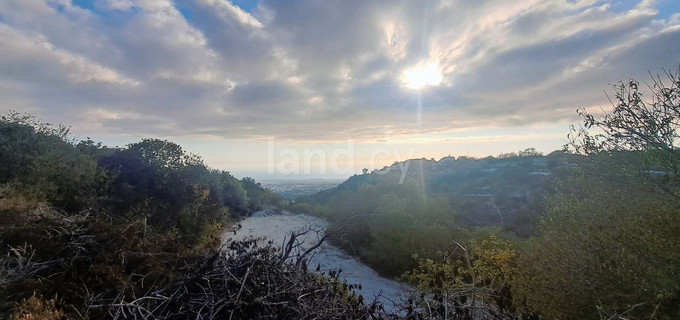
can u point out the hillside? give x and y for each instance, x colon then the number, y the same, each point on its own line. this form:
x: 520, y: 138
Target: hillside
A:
x: 505, y: 192
x: 92, y: 232
x: 534, y: 236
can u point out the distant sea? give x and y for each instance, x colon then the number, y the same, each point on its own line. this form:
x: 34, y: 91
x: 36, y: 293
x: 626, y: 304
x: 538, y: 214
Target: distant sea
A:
x: 291, y: 189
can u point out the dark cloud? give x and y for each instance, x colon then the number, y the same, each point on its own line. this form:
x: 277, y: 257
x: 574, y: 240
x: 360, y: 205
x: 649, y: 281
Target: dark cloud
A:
x: 263, y: 96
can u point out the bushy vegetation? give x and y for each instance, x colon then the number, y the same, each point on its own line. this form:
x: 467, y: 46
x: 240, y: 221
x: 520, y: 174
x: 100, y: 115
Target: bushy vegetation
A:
x: 607, y: 246
x: 421, y: 206
x: 590, y: 232
x: 91, y: 232
x: 606, y: 249
x: 467, y: 283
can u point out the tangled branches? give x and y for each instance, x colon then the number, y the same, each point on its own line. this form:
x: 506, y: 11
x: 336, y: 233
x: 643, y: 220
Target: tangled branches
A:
x: 102, y: 266
x: 248, y: 281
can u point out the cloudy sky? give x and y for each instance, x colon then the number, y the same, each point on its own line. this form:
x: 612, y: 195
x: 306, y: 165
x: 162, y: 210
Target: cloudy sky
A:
x: 258, y: 87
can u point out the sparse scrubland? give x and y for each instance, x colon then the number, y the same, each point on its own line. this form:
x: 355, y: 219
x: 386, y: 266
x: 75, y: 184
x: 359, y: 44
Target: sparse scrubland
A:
x: 591, y: 232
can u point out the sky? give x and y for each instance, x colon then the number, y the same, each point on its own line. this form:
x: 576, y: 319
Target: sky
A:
x: 290, y: 89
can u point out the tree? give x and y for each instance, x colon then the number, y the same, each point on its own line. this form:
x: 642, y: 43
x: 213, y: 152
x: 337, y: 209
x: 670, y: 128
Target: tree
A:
x: 607, y: 244
x: 472, y: 284
x: 43, y: 159
x: 605, y: 250
x: 232, y: 194
x: 637, y: 123
x: 163, y: 154
x: 529, y: 152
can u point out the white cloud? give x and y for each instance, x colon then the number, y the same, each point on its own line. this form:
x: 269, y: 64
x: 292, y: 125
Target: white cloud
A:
x: 228, y: 11
x: 80, y: 70
x: 47, y: 62
x: 322, y: 70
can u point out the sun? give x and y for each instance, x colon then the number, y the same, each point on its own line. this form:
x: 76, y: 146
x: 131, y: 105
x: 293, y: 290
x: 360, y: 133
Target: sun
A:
x: 421, y: 75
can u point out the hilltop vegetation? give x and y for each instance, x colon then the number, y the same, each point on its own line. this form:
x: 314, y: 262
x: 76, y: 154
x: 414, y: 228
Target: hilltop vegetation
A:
x: 420, y: 206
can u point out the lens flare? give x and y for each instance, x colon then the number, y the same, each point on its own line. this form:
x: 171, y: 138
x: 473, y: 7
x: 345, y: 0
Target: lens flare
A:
x: 421, y: 75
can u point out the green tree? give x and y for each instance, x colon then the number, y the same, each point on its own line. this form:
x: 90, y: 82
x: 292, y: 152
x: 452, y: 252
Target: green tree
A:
x: 258, y: 197
x: 642, y: 121
x: 472, y: 282
x: 529, y: 152
x: 607, y: 245
x: 41, y: 157
x: 606, y: 249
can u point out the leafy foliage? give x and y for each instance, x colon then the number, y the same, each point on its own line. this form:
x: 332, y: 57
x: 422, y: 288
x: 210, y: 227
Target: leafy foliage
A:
x: 598, y: 225
x: 635, y: 123
x: 474, y: 284
x: 607, y: 249
x: 607, y: 244
x: 40, y: 159
x: 421, y: 206
x: 99, y: 226
x: 645, y: 127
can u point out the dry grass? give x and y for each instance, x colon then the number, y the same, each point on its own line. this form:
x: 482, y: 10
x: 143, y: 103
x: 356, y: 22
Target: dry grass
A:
x: 37, y: 308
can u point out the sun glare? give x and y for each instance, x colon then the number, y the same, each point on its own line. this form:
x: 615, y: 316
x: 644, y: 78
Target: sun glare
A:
x: 421, y: 75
